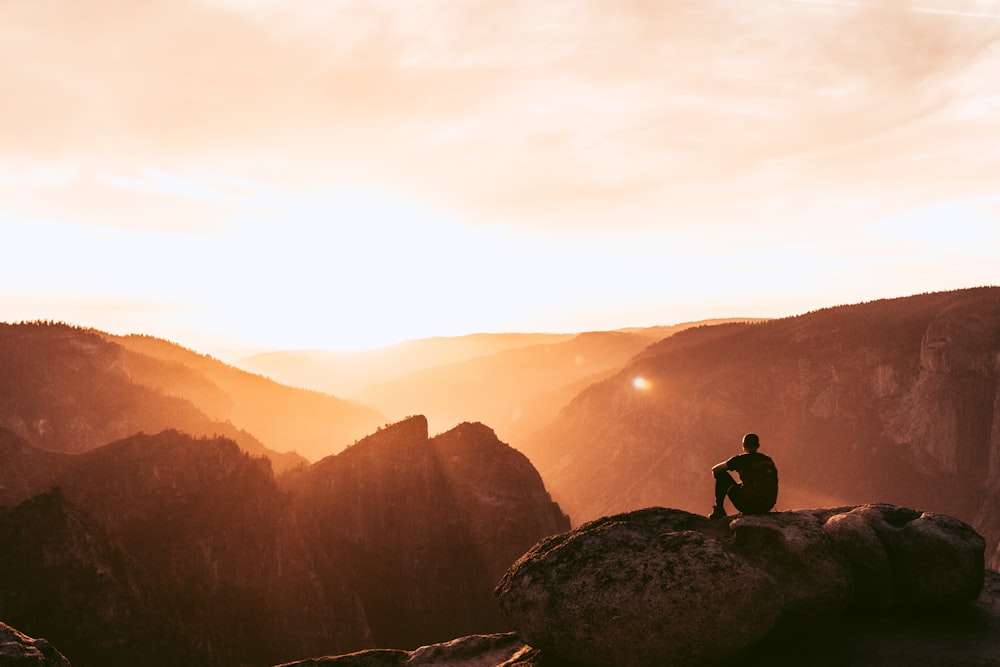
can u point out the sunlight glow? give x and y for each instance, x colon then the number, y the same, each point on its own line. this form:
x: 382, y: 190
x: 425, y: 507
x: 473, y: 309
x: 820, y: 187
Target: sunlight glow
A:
x: 444, y: 180
x: 641, y: 383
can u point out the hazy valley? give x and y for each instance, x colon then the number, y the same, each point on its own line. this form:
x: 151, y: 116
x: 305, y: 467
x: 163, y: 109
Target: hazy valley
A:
x: 142, y: 520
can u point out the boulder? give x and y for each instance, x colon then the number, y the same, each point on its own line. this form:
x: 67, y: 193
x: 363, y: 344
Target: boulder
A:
x: 792, y: 547
x: 934, y: 559
x: 665, y: 587
x: 860, y: 547
x: 19, y: 650
x: 651, y: 587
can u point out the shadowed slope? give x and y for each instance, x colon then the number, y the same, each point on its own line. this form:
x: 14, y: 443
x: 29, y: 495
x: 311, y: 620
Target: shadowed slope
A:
x: 423, y: 526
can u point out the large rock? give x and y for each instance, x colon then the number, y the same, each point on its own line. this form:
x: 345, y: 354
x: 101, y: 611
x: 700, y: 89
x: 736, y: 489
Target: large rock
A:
x: 934, y: 559
x: 862, y: 549
x: 665, y: 587
x: 19, y: 650
x: 652, y: 587
x: 794, y: 549
x: 928, y: 638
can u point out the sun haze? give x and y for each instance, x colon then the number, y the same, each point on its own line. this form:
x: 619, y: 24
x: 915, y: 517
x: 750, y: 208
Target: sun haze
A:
x: 254, y: 175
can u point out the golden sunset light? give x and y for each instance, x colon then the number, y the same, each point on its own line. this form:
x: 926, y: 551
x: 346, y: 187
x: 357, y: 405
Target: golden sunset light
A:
x: 249, y: 176
x: 596, y: 333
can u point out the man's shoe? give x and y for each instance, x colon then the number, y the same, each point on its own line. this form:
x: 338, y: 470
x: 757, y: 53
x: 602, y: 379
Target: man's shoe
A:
x: 717, y: 513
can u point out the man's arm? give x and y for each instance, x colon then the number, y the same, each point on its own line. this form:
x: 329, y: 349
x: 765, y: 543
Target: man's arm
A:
x: 720, y: 466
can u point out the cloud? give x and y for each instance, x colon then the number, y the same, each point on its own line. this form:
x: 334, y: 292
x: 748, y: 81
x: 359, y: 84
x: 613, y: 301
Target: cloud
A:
x: 559, y: 113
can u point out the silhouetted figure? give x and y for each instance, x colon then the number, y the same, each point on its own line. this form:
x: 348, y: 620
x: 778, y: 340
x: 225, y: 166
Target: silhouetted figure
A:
x: 757, y: 491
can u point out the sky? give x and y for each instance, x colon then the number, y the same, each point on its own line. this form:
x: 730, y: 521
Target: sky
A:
x: 249, y: 175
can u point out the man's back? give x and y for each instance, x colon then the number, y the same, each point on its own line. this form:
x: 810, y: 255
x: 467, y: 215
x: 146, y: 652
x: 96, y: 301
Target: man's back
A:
x: 759, y: 481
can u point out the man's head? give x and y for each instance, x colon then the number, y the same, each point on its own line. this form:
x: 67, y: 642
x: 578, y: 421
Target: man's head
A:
x: 751, y: 442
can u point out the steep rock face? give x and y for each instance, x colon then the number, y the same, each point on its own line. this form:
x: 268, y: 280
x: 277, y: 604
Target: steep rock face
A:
x: 498, y: 494
x: 664, y: 587
x: 418, y: 525
x: 895, y: 400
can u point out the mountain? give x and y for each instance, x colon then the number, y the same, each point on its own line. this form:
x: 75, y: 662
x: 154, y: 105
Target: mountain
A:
x: 423, y: 527
x: 516, y: 383
x: 168, y: 549
x: 347, y: 372
x: 199, y: 529
x: 26, y: 469
x: 515, y: 390
x: 63, y: 574
x: 312, y: 423
x: 893, y: 401
x: 69, y: 389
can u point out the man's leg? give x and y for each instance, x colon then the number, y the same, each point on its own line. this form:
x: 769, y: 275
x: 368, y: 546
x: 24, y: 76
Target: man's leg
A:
x: 723, y: 483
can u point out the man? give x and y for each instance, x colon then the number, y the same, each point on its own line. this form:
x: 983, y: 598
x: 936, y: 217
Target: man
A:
x: 757, y: 491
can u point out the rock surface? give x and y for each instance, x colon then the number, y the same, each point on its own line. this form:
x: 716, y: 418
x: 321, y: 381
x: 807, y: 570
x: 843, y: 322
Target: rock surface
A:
x: 661, y: 575
x: 472, y: 651
x: 19, y: 650
x: 664, y: 587
x: 966, y: 636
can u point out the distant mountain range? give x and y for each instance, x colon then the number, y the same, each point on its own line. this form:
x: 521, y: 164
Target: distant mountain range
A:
x: 70, y: 389
x: 516, y: 383
x: 347, y: 372
x: 172, y: 550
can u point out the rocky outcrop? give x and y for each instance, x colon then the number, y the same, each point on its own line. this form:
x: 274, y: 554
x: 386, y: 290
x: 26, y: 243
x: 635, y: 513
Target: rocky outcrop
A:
x: 663, y: 587
x: 662, y: 575
x: 923, y: 637
x: 894, y: 400
x: 19, y: 650
x: 904, y: 557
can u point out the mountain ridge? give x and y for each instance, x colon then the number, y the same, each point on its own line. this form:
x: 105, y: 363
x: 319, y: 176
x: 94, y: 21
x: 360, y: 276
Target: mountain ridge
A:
x: 70, y: 389
x: 225, y: 565
x: 515, y: 390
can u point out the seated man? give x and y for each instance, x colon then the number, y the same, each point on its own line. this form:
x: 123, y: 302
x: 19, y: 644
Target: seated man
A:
x: 757, y: 491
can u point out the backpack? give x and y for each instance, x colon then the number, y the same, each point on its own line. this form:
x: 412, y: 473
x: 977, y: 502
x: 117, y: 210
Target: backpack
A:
x: 760, y: 481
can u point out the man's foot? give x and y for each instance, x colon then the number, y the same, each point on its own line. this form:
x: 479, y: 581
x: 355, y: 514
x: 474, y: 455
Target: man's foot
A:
x: 718, y: 512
